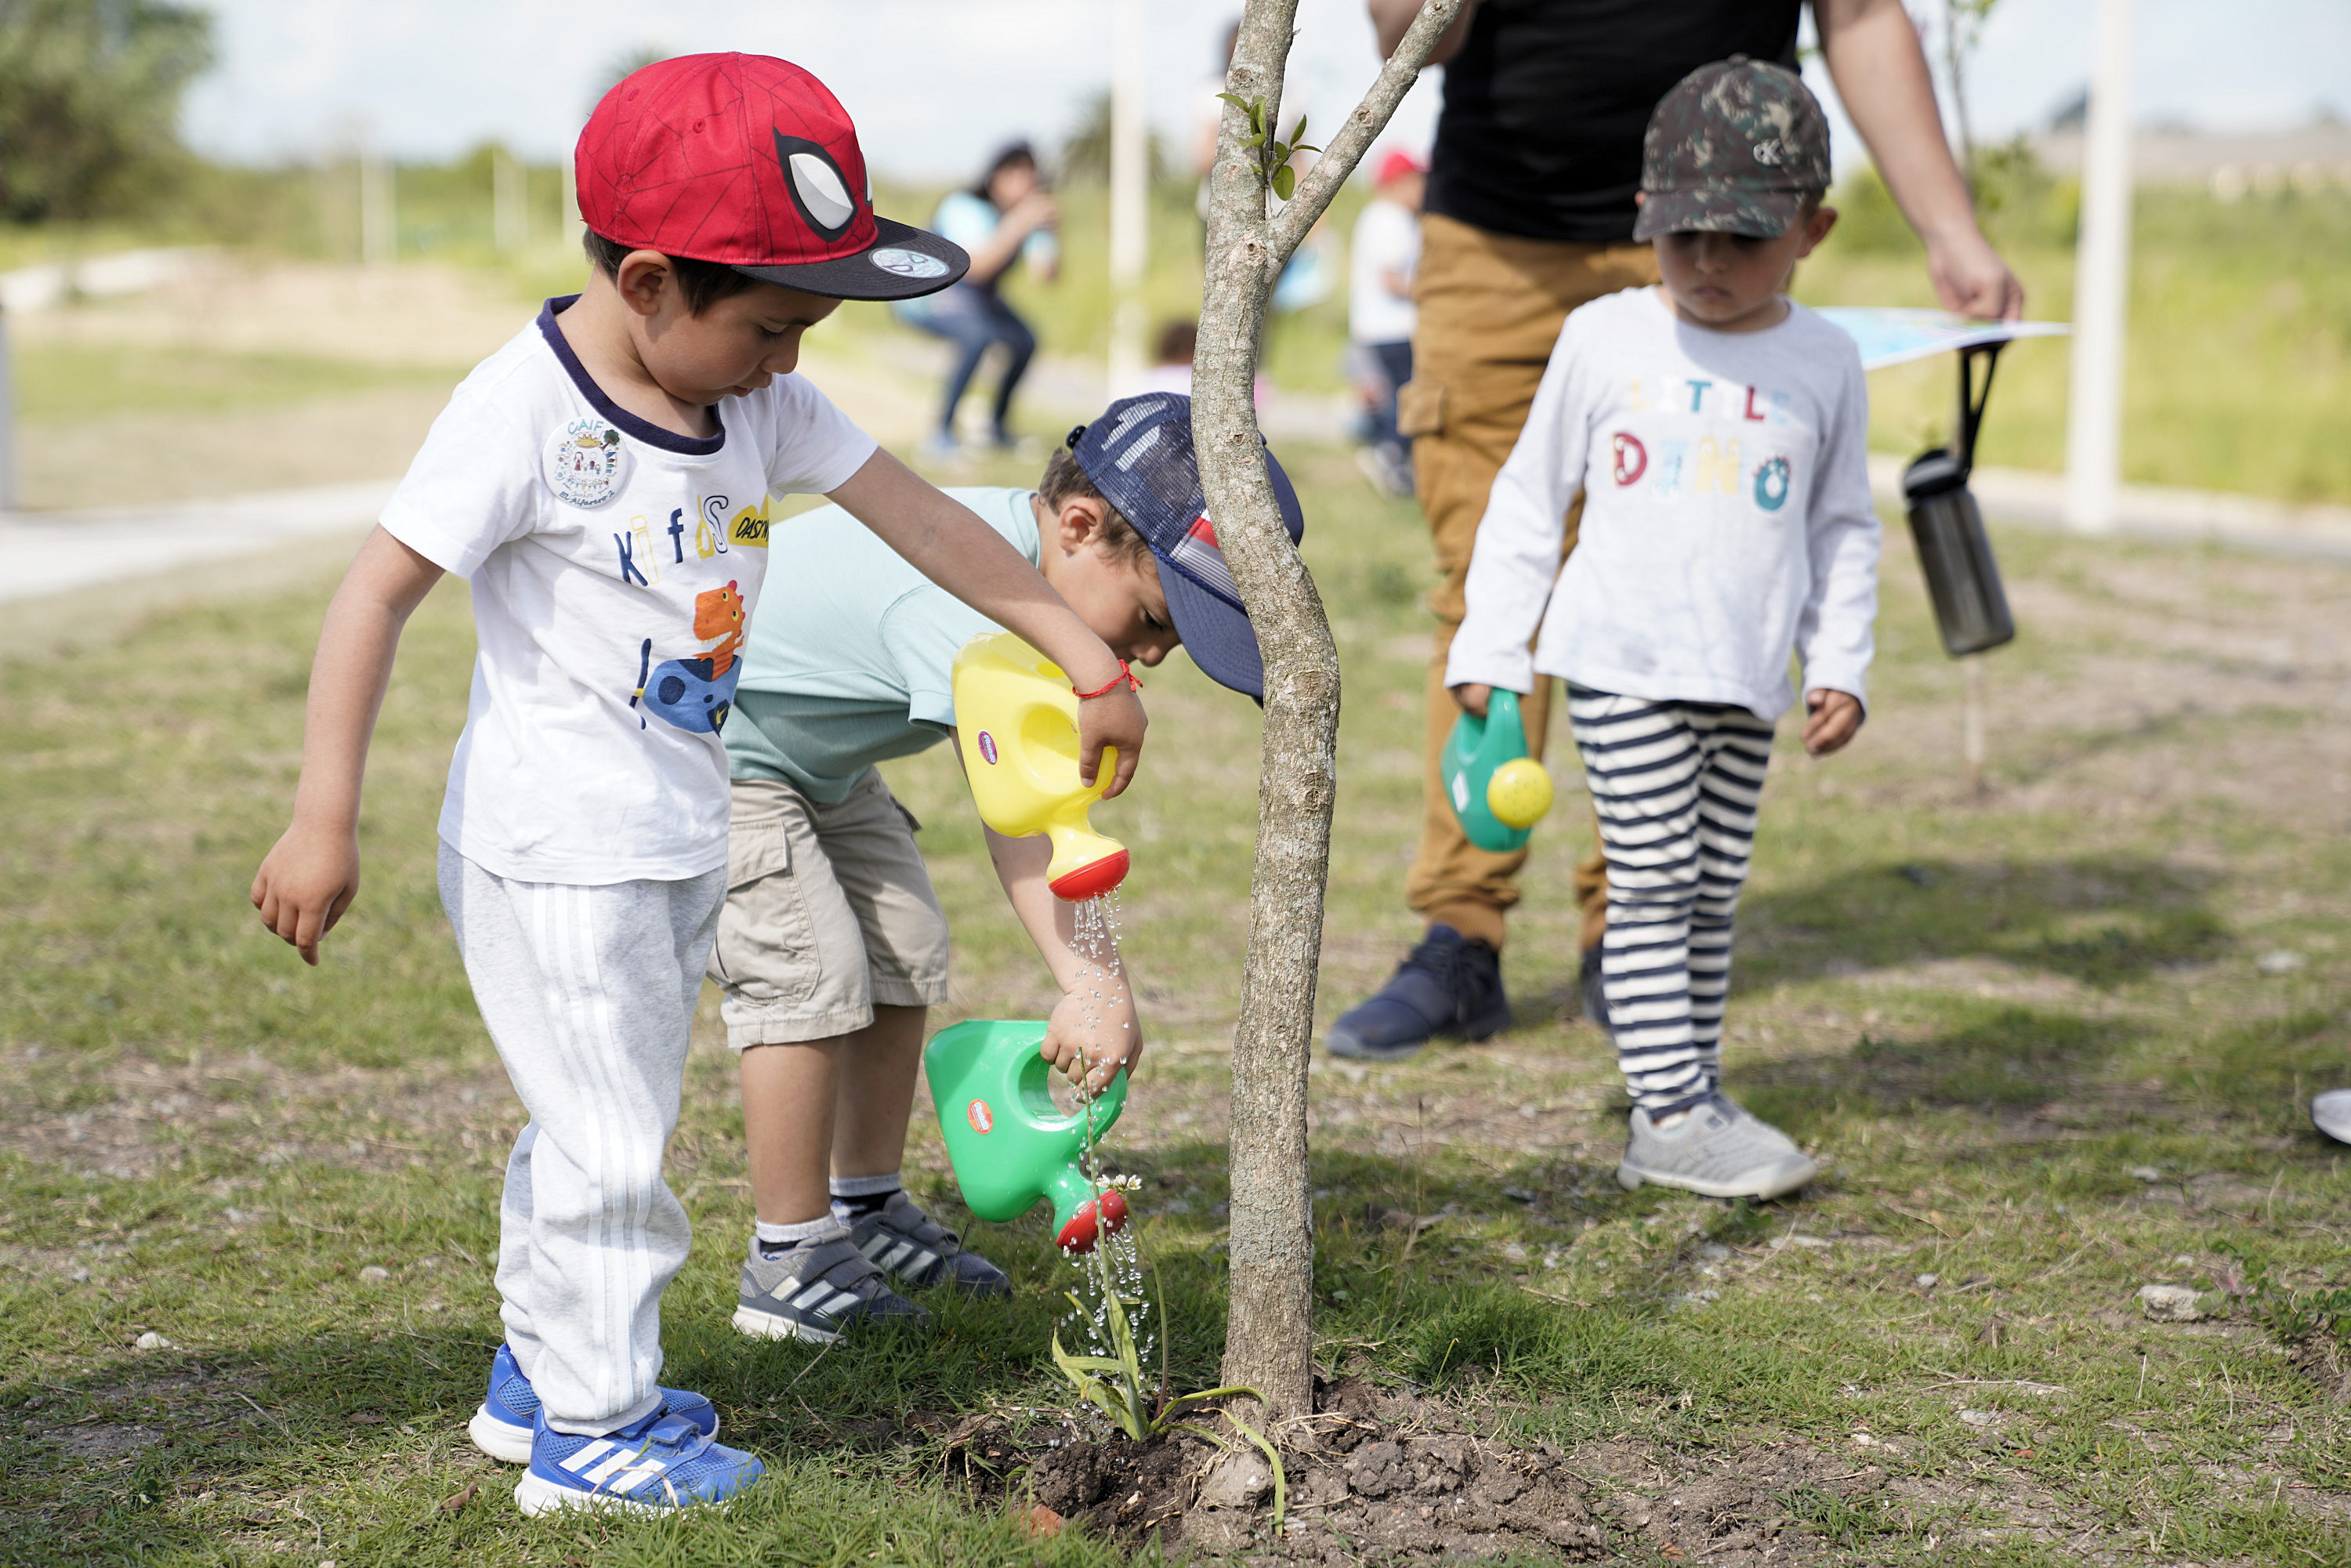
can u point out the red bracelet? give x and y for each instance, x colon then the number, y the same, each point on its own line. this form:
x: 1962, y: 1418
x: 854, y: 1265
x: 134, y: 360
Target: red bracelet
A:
x: 1112, y: 684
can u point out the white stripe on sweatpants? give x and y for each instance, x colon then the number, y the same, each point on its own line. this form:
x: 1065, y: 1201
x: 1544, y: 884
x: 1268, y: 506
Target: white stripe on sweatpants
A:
x: 1674, y: 787
x: 589, y: 994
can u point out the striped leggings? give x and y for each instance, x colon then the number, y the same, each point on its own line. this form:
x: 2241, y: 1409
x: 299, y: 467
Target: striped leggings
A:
x: 1674, y: 788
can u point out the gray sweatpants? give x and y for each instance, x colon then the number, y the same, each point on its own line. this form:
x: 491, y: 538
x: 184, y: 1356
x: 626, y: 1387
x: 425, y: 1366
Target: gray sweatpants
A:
x: 589, y: 993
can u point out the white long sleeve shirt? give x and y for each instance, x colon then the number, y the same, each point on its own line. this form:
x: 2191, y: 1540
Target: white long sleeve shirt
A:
x: 1727, y: 518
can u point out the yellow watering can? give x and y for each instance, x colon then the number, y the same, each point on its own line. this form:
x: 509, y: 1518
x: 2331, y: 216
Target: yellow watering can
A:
x: 1017, y: 723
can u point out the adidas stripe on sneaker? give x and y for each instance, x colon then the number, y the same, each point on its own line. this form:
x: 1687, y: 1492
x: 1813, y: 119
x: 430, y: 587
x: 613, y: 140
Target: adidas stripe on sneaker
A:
x: 817, y: 1290
x: 659, y: 1464
x: 503, y: 1426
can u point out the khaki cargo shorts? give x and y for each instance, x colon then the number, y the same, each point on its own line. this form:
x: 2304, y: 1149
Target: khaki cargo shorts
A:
x: 828, y: 913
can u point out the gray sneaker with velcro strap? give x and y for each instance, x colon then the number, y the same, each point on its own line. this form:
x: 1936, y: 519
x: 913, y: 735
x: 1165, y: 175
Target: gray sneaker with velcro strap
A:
x: 818, y: 1291
x: 920, y: 1253
x: 1720, y: 1149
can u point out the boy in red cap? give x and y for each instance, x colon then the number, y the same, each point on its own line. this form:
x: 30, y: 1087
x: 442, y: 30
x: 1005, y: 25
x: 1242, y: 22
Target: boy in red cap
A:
x: 613, y: 524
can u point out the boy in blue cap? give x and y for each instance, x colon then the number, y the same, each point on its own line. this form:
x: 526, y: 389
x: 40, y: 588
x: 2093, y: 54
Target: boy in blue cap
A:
x: 832, y: 946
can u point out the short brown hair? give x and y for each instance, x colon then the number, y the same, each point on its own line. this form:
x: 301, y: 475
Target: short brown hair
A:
x: 702, y: 283
x: 1066, y: 481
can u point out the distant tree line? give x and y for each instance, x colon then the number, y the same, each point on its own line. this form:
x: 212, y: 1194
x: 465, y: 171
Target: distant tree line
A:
x: 89, y: 103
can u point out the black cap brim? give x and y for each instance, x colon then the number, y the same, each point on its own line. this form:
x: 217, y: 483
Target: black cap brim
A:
x: 1719, y: 209
x: 904, y: 263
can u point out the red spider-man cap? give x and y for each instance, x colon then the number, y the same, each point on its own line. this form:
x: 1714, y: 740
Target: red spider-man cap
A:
x: 749, y: 160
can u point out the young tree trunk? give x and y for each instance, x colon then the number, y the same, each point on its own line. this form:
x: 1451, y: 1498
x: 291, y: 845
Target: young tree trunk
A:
x: 1269, y: 1323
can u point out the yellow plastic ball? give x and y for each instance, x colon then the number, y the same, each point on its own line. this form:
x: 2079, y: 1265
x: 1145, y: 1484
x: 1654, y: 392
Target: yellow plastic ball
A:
x: 1518, y: 793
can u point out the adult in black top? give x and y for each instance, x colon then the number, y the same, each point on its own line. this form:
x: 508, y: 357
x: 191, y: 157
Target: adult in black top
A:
x: 1546, y: 103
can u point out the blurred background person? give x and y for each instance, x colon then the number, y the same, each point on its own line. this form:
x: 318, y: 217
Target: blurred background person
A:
x: 1006, y: 217
x: 1382, y: 255
x: 1170, y: 368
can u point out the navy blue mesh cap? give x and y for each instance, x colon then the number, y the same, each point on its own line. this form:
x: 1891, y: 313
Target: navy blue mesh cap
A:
x: 1138, y: 456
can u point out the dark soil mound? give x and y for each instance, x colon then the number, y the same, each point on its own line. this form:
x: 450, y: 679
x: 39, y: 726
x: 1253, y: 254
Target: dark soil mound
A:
x: 1383, y: 1478
x: 1371, y: 1479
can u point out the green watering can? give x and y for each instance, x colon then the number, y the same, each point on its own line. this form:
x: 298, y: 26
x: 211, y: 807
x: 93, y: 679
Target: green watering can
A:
x: 1496, y: 788
x: 1011, y: 1144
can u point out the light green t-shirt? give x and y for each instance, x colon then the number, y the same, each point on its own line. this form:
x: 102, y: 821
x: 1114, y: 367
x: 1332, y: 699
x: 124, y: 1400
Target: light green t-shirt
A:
x: 850, y: 654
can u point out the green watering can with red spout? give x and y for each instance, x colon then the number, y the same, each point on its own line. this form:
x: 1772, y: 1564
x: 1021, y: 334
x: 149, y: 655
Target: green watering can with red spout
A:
x: 1011, y: 1144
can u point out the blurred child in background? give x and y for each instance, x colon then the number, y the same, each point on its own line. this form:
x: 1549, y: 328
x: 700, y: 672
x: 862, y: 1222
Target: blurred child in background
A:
x: 1382, y: 255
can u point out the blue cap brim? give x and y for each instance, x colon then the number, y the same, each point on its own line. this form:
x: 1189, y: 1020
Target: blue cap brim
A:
x: 1218, y: 637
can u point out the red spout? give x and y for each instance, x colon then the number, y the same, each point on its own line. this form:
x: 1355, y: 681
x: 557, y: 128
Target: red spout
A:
x: 1086, y: 1227
x: 1091, y: 879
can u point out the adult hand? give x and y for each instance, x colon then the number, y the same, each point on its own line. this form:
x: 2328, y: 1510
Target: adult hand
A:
x: 1116, y: 718
x: 1835, y: 718
x: 1971, y: 278
x: 1035, y: 211
x: 1473, y: 696
x: 304, y: 884
x: 1089, y: 1037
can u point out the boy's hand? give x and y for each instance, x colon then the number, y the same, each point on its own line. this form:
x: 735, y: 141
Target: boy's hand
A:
x: 1473, y: 697
x: 304, y: 884
x: 1835, y: 719
x: 1100, y: 1045
x: 1114, y: 718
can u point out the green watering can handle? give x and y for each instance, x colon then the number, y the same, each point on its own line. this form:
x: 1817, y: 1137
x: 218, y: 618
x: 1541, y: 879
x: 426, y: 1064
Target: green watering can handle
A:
x: 1502, y: 709
x: 1036, y: 1089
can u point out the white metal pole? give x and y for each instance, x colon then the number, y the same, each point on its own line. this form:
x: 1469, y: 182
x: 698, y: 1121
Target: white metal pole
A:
x: 510, y: 209
x: 572, y: 227
x: 1129, y: 189
x: 379, y: 216
x: 7, y: 421
x: 2094, y: 418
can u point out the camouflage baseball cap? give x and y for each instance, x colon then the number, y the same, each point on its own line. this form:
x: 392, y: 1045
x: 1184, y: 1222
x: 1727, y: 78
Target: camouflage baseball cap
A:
x: 1735, y: 148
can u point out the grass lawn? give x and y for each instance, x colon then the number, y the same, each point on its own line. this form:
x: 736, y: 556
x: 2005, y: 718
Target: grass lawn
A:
x: 2052, y: 1042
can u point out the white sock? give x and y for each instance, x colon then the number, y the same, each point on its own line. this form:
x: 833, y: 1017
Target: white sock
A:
x: 775, y: 1238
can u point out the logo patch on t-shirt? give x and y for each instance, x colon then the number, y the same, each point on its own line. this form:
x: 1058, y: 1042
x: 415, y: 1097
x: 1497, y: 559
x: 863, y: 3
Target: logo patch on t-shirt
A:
x: 583, y: 462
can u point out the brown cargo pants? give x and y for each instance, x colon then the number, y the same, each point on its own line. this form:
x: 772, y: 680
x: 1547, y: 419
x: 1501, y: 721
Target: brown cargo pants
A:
x: 1490, y: 310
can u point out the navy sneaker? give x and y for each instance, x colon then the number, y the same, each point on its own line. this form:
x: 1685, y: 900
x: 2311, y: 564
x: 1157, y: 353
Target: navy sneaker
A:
x: 502, y: 1428
x: 658, y: 1464
x: 1447, y: 985
x: 818, y: 1291
x: 1590, y: 991
x: 920, y: 1253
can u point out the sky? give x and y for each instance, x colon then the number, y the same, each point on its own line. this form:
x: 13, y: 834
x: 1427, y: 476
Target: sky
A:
x: 936, y: 84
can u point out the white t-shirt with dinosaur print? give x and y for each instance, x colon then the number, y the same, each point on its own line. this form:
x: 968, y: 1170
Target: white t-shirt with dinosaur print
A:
x: 613, y: 566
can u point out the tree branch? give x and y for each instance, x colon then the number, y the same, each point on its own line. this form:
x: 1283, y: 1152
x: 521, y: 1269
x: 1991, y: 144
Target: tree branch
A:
x: 1321, y: 182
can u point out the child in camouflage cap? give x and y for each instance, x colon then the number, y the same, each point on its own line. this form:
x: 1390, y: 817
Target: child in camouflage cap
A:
x: 1715, y: 429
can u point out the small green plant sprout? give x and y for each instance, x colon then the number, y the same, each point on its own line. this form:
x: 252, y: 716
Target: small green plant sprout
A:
x: 1115, y: 1382
x: 1272, y: 156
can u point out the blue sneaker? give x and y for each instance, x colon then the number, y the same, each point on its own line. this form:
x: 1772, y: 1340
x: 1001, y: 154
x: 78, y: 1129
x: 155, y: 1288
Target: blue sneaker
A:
x: 1447, y: 985
x: 658, y: 1464
x: 502, y: 1428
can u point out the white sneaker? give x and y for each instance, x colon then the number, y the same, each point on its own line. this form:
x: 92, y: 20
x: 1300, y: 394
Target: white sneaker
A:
x: 2331, y: 1114
x: 1717, y: 1150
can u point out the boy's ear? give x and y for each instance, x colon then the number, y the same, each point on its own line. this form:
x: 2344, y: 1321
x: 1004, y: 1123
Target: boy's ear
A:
x: 640, y: 278
x: 1078, y: 524
x: 1816, y: 229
